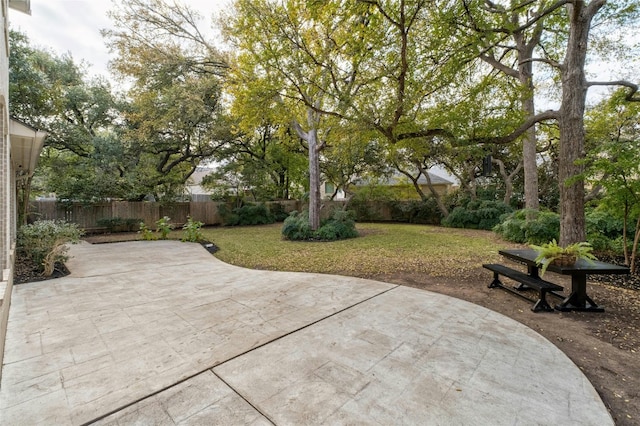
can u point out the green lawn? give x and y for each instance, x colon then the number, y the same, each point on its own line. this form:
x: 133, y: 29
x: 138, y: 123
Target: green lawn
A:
x: 381, y: 249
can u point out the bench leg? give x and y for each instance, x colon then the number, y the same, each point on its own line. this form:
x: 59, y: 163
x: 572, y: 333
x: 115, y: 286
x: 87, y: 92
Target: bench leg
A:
x: 542, y: 304
x: 496, y: 281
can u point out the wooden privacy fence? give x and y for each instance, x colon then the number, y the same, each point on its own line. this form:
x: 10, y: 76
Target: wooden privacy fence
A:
x: 87, y: 216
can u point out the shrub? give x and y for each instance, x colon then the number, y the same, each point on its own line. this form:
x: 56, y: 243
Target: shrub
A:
x: 365, y: 211
x: 118, y: 224
x: 45, y: 242
x: 605, y: 231
x: 544, y: 228
x: 229, y: 218
x: 278, y: 212
x: 147, y: 234
x: 602, y: 222
x: 254, y: 214
x: 367, y: 200
x: 192, y: 232
x: 339, y: 226
x: 248, y: 214
x: 416, y: 211
x: 477, y: 214
x: 529, y: 226
x: 296, y: 227
x: 163, y: 226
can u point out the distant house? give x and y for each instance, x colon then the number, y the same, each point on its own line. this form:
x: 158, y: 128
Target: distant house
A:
x: 194, y: 189
x: 404, y: 189
x: 327, y: 189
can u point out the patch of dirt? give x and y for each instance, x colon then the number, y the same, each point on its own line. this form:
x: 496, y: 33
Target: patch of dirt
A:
x: 25, y: 271
x: 605, y: 346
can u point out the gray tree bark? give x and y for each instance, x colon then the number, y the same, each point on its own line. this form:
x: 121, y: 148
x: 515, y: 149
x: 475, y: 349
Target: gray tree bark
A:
x: 508, y: 179
x: 314, y: 146
x: 529, y: 146
x: 571, y: 122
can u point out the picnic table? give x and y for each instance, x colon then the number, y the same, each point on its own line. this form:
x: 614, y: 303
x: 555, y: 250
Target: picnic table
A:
x: 578, y: 299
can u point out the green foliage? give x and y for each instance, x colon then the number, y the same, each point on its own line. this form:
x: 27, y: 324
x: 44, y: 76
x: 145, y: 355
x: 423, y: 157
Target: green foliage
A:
x: 118, y: 224
x: 278, y: 212
x: 477, y: 214
x: 174, y: 117
x: 366, y: 198
x: 192, y: 231
x: 613, y: 162
x: 341, y: 225
x: 163, y: 226
x: 229, y: 217
x: 529, y: 226
x: 147, y: 234
x: 45, y: 242
x: 296, y: 227
x: 604, y: 231
x: 416, y: 211
x: 267, y: 161
x: 604, y: 222
x: 550, y: 252
x: 248, y: 214
x: 254, y: 214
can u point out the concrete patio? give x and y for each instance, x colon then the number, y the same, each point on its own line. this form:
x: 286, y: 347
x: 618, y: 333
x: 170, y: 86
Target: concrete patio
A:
x: 163, y: 333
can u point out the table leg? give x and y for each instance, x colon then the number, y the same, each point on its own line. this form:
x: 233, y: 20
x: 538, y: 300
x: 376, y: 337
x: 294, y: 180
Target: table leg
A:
x: 578, y: 300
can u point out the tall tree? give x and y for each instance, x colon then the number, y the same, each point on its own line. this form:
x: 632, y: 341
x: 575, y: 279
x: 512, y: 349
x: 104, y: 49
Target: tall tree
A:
x: 613, y: 132
x: 354, y: 155
x: 287, y: 60
x: 508, y: 46
x: 177, y: 118
x: 51, y: 93
x: 268, y: 160
x: 571, y: 118
x: 569, y: 61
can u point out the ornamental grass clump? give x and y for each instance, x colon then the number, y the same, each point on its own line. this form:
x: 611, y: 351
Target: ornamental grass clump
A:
x: 45, y: 243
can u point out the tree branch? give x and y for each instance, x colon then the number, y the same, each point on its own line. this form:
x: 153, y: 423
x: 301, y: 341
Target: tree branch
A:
x: 491, y: 60
x: 497, y: 140
x: 544, y: 61
x: 633, y: 88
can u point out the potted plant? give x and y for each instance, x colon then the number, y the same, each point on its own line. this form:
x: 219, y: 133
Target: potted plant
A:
x: 562, y: 256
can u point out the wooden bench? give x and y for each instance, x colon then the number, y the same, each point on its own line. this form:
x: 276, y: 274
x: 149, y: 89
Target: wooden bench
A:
x: 527, y: 281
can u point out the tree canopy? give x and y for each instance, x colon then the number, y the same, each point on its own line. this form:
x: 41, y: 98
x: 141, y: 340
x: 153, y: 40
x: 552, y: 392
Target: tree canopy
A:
x: 356, y: 86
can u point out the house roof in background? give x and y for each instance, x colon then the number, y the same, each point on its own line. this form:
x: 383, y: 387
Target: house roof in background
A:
x: 21, y: 5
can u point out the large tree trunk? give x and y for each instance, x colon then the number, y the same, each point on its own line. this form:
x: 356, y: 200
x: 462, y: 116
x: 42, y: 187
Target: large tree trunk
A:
x: 529, y: 150
x: 571, y: 123
x: 23, y: 195
x: 529, y: 143
x: 314, y: 179
x: 314, y: 146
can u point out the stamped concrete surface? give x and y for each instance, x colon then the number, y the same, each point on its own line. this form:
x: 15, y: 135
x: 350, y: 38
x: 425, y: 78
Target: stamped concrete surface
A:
x: 163, y: 333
